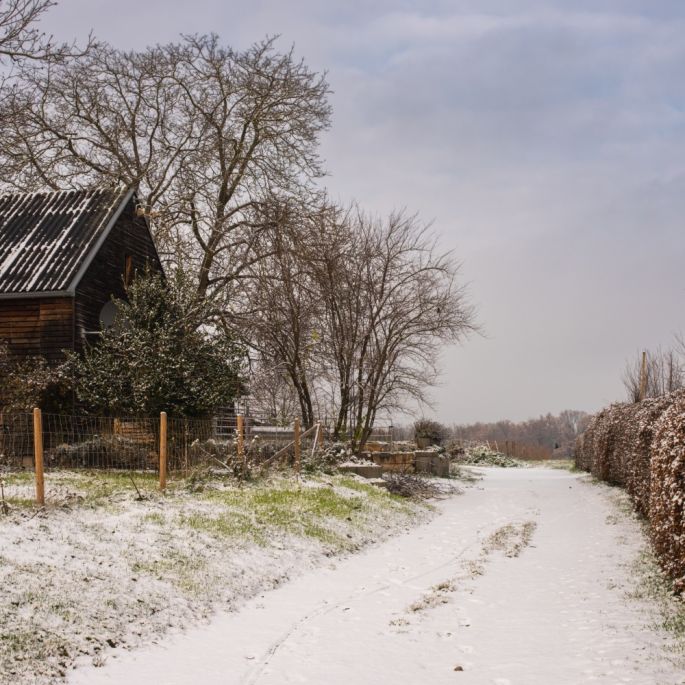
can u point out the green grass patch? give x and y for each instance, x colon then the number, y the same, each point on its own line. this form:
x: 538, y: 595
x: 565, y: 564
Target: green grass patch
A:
x: 375, y: 494
x: 155, y: 517
x: 101, y: 488
x: 253, y: 511
x: 561, y: 464
x: 18, y: 478
x: 20, y: 502
x: 183, y: 571
x: 226, y: 524
x: 320, y: 512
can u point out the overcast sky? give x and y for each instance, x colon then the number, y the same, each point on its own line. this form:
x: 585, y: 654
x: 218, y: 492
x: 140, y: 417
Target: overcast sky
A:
x: 544, y: 139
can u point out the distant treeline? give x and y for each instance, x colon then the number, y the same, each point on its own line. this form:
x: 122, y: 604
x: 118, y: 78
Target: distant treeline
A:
x: 544, y: 437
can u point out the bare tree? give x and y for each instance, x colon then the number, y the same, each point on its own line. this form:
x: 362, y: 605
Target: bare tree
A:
x: 283, y: 318
x: 391, y: 302
x: 535, y: 438
x: 354, y: 310
x: 23, y: 43
x: 272, y: 394
x: 21, y: 39
x: 207, y: 133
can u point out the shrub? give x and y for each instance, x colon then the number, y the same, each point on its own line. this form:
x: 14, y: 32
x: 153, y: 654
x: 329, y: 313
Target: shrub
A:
x: 160, y: 355
x: 111, y: 451
x: 431, y: 431
x: 31, y: 382
x: 326, y: 460
x: 484, y: 456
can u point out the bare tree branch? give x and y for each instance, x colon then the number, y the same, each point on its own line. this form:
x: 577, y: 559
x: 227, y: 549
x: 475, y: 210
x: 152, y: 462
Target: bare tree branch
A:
x: 22, y: 41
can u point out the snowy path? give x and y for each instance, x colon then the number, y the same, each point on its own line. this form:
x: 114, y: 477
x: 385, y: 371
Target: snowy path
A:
x: 554, y: 611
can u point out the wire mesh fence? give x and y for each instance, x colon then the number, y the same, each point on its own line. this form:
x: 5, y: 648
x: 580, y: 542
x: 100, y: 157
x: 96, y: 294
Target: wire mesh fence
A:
x: 133, y: 443
x: 16, y: 440
x: 81, y: 442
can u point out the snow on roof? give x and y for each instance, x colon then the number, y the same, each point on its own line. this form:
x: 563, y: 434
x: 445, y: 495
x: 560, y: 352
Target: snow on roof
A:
x: 47, y: 237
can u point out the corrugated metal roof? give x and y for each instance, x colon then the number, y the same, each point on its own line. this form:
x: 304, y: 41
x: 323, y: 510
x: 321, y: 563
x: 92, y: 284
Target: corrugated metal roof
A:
x: 46, y: 237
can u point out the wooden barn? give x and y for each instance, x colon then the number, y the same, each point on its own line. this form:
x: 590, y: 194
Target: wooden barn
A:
x: 63, y: 255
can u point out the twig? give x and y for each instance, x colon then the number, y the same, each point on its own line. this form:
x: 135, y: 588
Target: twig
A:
x: 140, y: 497
x: 415, y: 487
x: 218, y: 461
x: 37, y: 512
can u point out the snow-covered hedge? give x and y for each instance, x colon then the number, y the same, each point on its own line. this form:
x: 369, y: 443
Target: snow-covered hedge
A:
x: 667, y: 501
x: 641, y: 447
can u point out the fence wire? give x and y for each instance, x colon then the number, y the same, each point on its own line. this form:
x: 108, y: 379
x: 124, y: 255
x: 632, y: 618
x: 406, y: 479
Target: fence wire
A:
x: 16, y: 441
x: 132, y: 443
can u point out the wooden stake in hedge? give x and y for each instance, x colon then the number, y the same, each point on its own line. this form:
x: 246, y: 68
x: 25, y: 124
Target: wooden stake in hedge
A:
x: 643, y: 376
x: 162, y: 450
x: 38, y: 455
x: 298, y: 445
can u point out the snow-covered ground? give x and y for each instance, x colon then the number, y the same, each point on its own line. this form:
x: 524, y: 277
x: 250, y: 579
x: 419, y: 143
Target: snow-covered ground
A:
x: 532, y: 577
x: 102, y: 567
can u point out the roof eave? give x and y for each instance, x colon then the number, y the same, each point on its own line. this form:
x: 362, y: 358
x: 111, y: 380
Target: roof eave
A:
x: 37, y: 295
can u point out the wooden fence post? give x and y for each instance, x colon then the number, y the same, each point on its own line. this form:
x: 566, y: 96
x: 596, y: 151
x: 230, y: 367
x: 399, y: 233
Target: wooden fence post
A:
x: 38, y: 455
x: 240, y: 445
x: 240, y: 430
x: 296, y: 438
x: 162, y: 450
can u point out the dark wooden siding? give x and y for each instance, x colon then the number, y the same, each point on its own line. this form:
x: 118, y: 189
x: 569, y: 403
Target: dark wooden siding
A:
x: 105, y: 275
x: 38, y: 326
x: 48, y: 325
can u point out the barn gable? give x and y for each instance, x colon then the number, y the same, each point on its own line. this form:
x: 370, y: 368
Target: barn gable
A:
x: 127, y: 250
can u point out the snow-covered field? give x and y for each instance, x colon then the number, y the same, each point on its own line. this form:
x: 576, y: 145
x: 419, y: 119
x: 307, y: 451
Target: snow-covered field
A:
x: 102, y: 568
x: 532, y: 577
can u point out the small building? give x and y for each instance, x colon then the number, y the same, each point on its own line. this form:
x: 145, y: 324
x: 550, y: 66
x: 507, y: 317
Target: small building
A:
x: 63, y: 255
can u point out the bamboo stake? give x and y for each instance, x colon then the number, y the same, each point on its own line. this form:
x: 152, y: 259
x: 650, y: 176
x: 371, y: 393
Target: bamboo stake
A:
x: 317, y: 438
x: 162, y: 450
x: 38, y: 455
